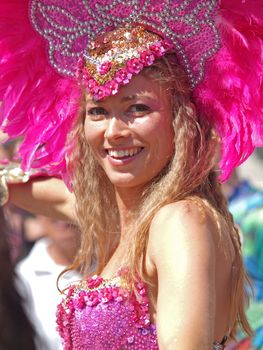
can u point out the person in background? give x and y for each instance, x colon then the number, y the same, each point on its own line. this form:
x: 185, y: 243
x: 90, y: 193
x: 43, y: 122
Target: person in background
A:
x: 39, y: 271
x: 246, y: 205
x: 16, y: 330
x: 19, y: 220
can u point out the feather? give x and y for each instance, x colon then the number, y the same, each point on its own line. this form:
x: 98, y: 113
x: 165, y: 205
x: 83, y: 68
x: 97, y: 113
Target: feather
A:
x: 231, y: 94
x: 33, y: 94
x: 41, y: 105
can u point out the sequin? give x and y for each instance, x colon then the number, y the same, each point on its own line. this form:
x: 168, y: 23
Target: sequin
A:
x: 71, y: 26
x: 122, y: 52
x: 103, y: 315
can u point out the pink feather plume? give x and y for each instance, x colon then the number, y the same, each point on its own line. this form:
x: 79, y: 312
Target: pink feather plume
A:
x: 35, y: 97
x: 232, y: 91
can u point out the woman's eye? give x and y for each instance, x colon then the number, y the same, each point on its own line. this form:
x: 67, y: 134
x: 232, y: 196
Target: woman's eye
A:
x: 97, y: 112
x: 139, y: 109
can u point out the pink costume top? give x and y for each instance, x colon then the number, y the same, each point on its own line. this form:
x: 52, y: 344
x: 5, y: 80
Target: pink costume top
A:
x: 103, y: 315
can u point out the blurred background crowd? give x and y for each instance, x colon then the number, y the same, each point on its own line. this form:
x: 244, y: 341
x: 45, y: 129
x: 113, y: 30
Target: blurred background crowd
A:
x: 34, y: 250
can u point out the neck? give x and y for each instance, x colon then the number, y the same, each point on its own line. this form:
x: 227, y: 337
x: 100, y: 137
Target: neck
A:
x: 128, y: 201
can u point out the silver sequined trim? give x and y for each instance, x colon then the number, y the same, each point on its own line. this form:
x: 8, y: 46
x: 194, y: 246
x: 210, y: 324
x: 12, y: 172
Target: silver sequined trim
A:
x: 62, y: 38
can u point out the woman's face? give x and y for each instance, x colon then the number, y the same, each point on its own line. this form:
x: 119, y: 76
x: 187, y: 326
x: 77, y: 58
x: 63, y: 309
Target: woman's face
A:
x: 131, y: 134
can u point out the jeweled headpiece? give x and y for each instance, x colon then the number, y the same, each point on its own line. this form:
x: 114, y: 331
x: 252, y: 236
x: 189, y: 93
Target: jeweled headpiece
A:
x: 71, y: 28
x: 46, y: 44
x: 113, y: 58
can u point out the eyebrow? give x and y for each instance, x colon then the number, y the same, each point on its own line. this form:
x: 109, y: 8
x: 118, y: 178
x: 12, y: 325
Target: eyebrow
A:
x: 124, y: 99
x: 129, y: 98
x: 145, y: 94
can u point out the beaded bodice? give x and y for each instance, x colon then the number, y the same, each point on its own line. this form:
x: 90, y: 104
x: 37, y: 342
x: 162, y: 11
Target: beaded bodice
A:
x: 103, y: 315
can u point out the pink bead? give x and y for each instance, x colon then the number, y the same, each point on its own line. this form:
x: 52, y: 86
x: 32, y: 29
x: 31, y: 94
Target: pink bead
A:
x: 147, y: 58
x: 134, y: 66
x: 157, y: 49
x: 123, y: 76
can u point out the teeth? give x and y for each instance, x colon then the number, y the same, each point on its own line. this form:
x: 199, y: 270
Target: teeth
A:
x: 121, y: 154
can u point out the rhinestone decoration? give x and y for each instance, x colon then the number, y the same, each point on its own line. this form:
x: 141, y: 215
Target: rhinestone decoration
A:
x: 70, y: 27
x: 113, y: 58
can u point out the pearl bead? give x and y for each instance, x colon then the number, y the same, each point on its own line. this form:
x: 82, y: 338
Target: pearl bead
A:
x: 69, y: 27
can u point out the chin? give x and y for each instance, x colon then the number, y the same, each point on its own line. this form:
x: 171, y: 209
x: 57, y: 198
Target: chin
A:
x: 126, y: 181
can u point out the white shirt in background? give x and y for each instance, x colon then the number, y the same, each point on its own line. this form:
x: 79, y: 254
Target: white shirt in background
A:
x: 38, y: 273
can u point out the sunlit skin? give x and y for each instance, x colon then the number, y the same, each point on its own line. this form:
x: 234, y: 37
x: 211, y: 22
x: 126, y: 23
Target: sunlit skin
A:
x: 138, y: 120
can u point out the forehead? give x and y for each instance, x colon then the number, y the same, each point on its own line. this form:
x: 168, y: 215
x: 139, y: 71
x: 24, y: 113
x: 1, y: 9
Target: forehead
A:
x: 139, y: 86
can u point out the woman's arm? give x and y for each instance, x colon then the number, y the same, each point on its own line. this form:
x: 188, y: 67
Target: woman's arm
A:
x: 182, y: 248
x: 46, y: 196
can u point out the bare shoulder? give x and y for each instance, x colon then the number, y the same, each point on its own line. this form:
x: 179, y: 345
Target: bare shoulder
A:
x: 183, y: 214
x: 187, y: 263
x: 184, y: 209
x: 183, y: 224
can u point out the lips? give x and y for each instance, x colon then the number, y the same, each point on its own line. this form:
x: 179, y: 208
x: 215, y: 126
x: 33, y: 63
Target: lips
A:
x: 122, y: 157
x: 123, y: 153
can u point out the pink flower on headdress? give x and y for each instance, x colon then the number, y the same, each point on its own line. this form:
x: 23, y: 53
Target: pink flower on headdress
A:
x: 147, y: 58
x: 167, y: 45
x: 157, y: 49
x: 91, y: 85
x: 101, y: 91
x: 134, y: 66
x: 123, y: 76
x: 104, y: 67
x: 113, y: 86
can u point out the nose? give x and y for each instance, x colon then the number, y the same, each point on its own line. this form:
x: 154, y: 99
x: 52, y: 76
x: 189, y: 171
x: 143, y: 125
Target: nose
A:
x: 116, y: 129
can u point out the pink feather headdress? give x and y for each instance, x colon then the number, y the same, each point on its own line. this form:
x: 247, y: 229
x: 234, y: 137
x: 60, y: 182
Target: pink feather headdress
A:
x: 45, y: 44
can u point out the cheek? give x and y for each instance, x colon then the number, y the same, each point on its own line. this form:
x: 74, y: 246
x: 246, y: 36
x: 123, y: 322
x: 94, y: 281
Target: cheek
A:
x: 160, y: 132
x: 149, y: 126
x: 92, y: 133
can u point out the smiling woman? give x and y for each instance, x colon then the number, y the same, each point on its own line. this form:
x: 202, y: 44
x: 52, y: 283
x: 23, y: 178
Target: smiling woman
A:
x: 166, y: 93
x: 151, y: 158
